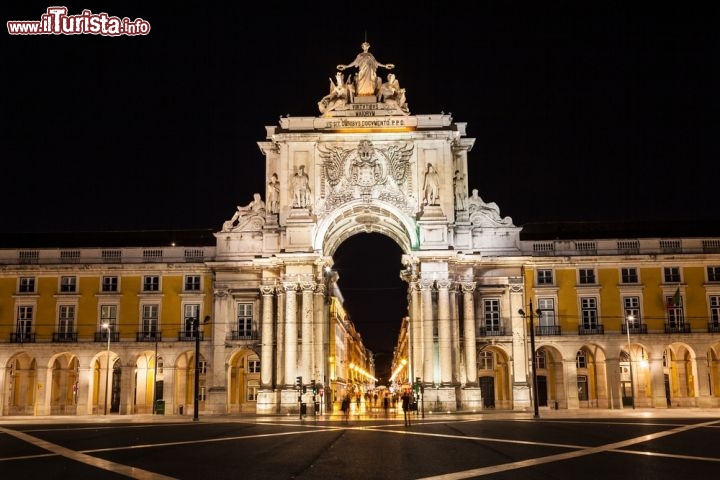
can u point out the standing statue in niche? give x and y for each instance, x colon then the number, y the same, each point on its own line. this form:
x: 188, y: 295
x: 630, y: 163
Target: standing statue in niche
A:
x: 273, y: 196
x: 301, y: 188
x: 459, y: 187
x: 366, y: 79
x: 339, y: 94
x: 431, y: 186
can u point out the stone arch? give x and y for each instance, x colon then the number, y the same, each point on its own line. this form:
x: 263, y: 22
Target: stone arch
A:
x: 63, y: 381
x: 243, y: 380
x: 144, y: 382
x: 550, y: 377
x: 594, y: 370
x: 680, y: 375
x: 19, y: 394
x: 103, y: 377
x: 184, y: 388
x: 356, y: 217
x: 494, y: 378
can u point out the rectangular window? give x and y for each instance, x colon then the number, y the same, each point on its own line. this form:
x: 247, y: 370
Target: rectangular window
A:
x: 253, y: 366
x: 151, y: 283
x: 588, y: 312
x: 27, y: 285
x: 68, y: 284
x: 25, y: 322
x: 109, y: 284
x: 671, y: 274
x: 150, y: 320
x: 540, y: 359
x: 252, y: 390
x: 66, y: 319
x: 631, y: 306
x: 587, y: 276
x: 676, y: 317
x: 580, y: 359
x: 715, y: 311
x: 191, y: 312
x: 713, y: 273
x: 544, y: 277
x: 629, y: 275
x: 244, y: 320
x: 108, y: 315
x: 492, y: 314
x: 192, y: 283
x: 486, y: 360
x: 546, y: 306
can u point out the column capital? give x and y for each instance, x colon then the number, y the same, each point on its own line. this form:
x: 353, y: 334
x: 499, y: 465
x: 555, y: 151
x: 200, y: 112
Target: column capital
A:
x: 426, y: 283
x: 290, y: 286
x: 267, y: 289
x: 468, y: 287
x: 443, y: 283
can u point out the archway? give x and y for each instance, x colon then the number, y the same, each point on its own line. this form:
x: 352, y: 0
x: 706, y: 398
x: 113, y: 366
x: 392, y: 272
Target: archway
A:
x: 369, y: 267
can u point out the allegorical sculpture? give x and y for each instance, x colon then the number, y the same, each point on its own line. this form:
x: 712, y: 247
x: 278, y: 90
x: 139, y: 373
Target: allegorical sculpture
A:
x: 366, y: 79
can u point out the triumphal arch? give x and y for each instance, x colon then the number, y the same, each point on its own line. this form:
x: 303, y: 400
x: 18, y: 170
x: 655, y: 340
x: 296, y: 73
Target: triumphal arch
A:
x: 365, y: 163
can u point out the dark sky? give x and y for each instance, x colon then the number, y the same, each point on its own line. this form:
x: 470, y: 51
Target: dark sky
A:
x: 607, y: 112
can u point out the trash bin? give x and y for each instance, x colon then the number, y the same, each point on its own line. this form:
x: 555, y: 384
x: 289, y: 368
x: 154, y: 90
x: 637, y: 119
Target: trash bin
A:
x: 180, y: 408
x: 160, y: 407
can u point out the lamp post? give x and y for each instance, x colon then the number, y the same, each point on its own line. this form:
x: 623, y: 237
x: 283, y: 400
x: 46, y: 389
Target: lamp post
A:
x: 107, y: 326
x: 632, y: 381
x: 196, y: 328
x: 533, y: 360
x: 154, y: 401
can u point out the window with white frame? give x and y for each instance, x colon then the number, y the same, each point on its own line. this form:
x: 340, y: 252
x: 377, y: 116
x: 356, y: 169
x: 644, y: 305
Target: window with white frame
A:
x: 676, y: 316
x: 150, y: 320
x: 631, y: 307
x: 671, y: 274
x: 486, y: 360
x: 68, y: 284
x: 192, y: 283
x: 589, y: 313
x: 244, y: 320
x: 253, y: 365
x: 713, y: 273
x: 25, y: 321
x: 492, y: 314
x: 109, y: 284
x: 26, y: 285
x: 587, y: 276
x: 580, y: 359
x: 253, y: 386
x: 66, y: 319
x: 582, y: 386
x: 540, y: 360
x: 545, y: 276
x: 108, y: 316
x: 190, y: 314
x: 546, y: 307
x: 629, y: 275
x: 715, y: 310
x: 151, y: 283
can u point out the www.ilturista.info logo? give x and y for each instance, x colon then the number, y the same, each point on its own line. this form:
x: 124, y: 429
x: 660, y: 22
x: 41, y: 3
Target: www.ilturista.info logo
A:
x: 56, y: 21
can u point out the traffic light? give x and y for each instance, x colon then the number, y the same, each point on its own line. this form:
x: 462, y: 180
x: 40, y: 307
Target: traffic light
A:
x: 298, y: 383
x: 314, y: 387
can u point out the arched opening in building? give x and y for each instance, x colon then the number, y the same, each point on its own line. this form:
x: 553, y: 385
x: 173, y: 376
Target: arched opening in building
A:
x: 369, y: 267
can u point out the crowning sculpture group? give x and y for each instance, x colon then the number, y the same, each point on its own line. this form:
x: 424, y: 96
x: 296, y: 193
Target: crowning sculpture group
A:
x: 345, y: 91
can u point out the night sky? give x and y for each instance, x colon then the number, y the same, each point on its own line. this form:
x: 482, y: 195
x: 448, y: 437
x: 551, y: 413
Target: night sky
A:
x: 607, y: 112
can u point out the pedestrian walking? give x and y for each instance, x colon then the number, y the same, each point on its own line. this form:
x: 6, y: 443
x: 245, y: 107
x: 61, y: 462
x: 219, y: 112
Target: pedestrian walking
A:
x: 406, y: 407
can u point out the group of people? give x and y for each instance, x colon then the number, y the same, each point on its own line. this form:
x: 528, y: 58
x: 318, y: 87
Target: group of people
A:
x: 406, y: 401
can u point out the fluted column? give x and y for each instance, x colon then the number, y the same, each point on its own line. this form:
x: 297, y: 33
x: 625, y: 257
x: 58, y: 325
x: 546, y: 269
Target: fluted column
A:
x: 415, y: 331
x: 280, y: 338
x: 468, y: 289
x: 319, y: 326
x: 291, y: 333
x: 266, y: 341
x: 427, y: 322
x: 307, y: 331
x: 444, y: 340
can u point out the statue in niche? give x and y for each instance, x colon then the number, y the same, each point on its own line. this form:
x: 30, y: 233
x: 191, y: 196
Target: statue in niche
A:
x: 301, y: 188
x: 392, y: 94
x: 431, y: 186
x: 485, y: 214
x: 273, y: 197
x: 338, y: 96
x: 459, y: 187
x: 366, y: 79
x: 255, y: 208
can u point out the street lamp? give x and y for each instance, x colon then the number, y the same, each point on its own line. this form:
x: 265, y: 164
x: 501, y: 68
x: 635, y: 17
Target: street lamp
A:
x: 533, y: 361
x: 196, y: 331
x: 107, y: 326
x: 632, y: 381
x: 155, y: 382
